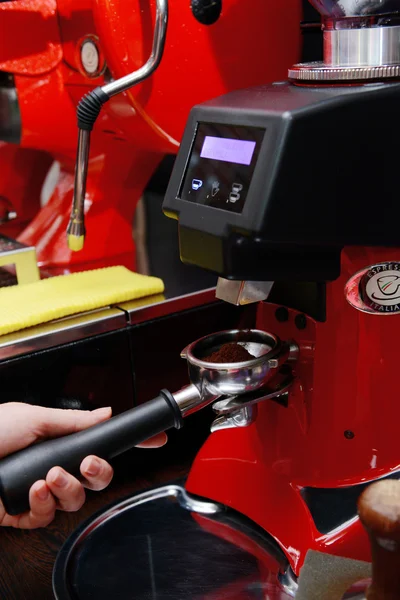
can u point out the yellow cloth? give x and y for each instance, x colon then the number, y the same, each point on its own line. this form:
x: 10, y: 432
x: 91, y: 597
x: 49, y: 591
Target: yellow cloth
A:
x: 23, y: 306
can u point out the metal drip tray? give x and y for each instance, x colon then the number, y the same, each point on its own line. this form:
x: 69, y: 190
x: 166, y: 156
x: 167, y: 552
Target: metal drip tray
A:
x: 166, y: 545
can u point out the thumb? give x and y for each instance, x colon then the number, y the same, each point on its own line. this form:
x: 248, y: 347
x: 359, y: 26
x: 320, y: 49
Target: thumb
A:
x: 55, y: 422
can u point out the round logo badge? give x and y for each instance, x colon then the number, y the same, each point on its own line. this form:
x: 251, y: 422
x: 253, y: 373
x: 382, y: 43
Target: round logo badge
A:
x: 379, y: 288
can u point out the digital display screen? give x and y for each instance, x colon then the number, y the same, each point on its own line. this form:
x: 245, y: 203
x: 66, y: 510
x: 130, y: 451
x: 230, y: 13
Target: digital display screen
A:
x: 239, y: 152
x: 221, y: 165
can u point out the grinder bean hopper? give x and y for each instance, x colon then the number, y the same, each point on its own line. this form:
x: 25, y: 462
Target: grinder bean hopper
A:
x: 289, y: 193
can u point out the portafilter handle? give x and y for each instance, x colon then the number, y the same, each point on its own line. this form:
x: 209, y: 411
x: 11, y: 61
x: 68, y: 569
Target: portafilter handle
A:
x: 379, y: 511
x: 19, y: 471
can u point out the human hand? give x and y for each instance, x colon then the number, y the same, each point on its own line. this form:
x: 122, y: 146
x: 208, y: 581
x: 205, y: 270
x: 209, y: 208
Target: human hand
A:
x: 22, y: 425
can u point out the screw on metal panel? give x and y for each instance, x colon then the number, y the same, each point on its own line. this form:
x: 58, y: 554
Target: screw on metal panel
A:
x: 282, y: 314
x: 348, y: 434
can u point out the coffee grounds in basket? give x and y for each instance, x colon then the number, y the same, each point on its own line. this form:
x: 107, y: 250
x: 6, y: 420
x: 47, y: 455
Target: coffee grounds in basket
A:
x: 229, y: 353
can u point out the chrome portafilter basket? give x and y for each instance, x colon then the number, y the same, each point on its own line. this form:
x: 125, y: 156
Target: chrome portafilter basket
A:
x: 241, y: 385
x: 233, y: 378
x: 238, y: 387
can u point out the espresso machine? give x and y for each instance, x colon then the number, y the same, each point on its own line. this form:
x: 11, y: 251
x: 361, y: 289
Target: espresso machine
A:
x: 287, y: 192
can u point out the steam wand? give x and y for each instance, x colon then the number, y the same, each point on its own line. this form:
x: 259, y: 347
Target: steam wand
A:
x: 87, y: 112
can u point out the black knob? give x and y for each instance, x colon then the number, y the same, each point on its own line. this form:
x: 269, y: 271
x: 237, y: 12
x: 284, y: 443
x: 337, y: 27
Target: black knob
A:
x: 207, y: 12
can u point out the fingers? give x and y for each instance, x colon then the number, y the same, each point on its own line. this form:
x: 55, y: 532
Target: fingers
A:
x: 60, y: 491
x: 55, y: 422
x: 155, y: 442
x: 43, y: 508
x: 97, y: 473
x: 67, y: 490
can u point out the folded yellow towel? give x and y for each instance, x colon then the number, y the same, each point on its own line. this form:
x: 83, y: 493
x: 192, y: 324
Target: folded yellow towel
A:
x: 23, y: 306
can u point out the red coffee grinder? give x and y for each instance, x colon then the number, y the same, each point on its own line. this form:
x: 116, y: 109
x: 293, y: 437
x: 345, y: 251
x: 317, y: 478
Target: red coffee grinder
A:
x: 295, y: 184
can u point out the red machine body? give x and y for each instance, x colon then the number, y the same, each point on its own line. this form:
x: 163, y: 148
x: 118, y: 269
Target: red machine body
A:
x: 41, y: 47
x: 23, y: 172
x: 339, y: 430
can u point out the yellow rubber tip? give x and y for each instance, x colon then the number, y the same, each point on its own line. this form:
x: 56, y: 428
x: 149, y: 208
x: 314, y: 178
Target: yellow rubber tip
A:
x: 75, y: 243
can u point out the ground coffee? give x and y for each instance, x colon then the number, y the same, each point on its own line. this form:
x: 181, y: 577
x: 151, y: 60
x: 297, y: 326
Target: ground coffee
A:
x: 230, y: 353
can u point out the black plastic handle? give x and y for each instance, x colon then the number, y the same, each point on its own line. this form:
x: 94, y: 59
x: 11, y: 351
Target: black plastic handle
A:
x: 20, y: 470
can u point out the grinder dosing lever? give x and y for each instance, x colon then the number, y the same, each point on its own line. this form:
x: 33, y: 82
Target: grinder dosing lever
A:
x: 20, y: 470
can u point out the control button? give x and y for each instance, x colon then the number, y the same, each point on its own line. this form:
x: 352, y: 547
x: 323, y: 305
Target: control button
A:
x: 196, y: 184
x: 215, y: 188
x: 234, y: 196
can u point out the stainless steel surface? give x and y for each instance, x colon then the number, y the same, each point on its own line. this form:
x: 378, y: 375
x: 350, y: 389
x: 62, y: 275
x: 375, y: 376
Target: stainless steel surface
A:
x: 288, y: 582
x: 362, y: 47
x: 355, y: 8
x: 235, y: 403
x: 9, y: 247
x: 76, y: 226
x: 241, y: 418
x: 166, y: 544
x: 62, y: 331
x: 189, y: 400
x: 319, y: 72
x: 196, y: 505
x: 172, y: 492
x: 160, y: 306
x: 242, y: 292
x: 228, y: 379
x: 361, y: 42
x: 160, y: 32
x: 210, y: 380
x: 294, y: 351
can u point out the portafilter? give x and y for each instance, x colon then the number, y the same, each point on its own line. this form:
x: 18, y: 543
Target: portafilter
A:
x: 210, y: 381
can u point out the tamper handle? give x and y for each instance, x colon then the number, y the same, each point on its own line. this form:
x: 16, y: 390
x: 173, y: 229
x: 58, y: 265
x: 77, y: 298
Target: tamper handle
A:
x: 379, y: 511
